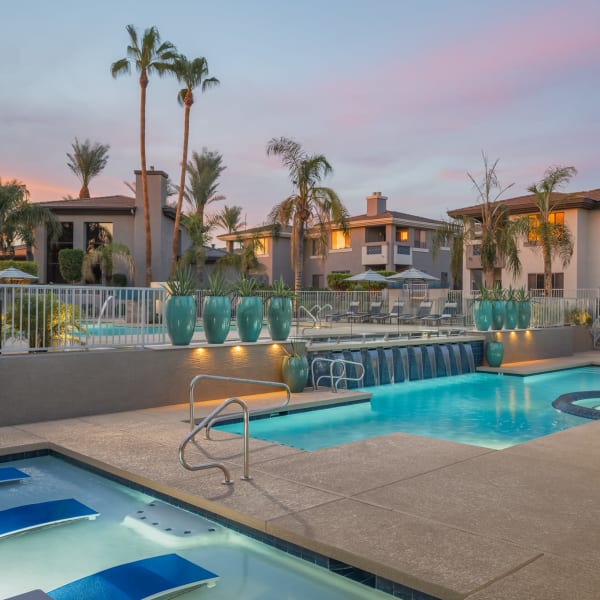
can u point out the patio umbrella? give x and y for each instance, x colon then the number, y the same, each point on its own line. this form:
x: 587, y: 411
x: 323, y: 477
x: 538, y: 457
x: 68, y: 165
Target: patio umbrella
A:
x: 16, y: 274
x: 412, y: 274
x: 368, y: 276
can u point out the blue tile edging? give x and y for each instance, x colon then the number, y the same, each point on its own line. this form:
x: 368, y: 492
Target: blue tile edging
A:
x: 396, y: 590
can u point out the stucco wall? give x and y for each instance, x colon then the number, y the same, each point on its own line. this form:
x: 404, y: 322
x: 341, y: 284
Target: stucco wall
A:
x: 58, y: 385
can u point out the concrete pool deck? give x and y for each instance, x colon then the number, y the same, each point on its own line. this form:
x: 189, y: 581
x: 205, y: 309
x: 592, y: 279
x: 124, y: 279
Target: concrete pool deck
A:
x: 451, y: 520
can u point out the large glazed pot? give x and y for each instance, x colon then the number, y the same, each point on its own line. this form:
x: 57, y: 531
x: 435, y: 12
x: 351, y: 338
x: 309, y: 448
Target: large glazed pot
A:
x: 216, y: 318
x: 482, y: 314
x: 180, y: 318
x: 279, y: 318
x: 294, y: 371
x: 494, y: 353
x: 524, y: 317
x: 249, y: 317
x: 498, y: 314
x: 511, y: 314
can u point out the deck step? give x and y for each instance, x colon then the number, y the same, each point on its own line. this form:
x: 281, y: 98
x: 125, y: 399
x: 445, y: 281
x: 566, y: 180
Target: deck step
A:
x: 32, y: 516
x: 162, y: 576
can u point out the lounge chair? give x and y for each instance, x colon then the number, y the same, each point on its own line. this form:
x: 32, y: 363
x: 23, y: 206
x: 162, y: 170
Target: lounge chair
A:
x: 423, y: 311
x: 595, y: 330
x: 352, y: 310
x: 397, y: 312
x: 448, y: 314
x: 374, y: 310
x: 157, y: 577
x: 33, y: 516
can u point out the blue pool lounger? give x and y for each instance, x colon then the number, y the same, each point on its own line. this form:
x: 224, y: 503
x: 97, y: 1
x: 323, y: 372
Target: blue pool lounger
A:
x: 31, y: 516
x: 151, y: 578
x: 9, y: 474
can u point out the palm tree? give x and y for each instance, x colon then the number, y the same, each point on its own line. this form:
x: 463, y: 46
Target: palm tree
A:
x: 149, y: 57
x: 229, y: 218
x: 309, y: 205
x: 86, y: 162
x: 192, y: 74
x: 198, y: 234
x: 203, y: 172
x: 495, y: 233
x: 19, y: 218
x: 552, y: 236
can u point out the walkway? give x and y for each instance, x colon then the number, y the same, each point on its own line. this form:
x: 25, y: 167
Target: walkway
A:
x: 451, y: 520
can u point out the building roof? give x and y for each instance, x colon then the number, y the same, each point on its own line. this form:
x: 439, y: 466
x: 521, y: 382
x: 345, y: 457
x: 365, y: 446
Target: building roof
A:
x: 265, y: 230
x: 589, y: 200
x: 100, y: 205
x: 395, y: 216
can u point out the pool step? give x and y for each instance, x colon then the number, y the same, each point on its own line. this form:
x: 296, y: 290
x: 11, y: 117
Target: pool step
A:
x: 171, y: 526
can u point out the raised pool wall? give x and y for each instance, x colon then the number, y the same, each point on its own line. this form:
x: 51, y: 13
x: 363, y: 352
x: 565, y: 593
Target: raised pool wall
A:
x: 60, y: 385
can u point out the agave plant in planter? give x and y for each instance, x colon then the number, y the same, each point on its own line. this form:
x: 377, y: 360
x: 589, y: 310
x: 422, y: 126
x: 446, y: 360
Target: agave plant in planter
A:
x: 498, y: 307
x: 216, y: 310
x: 524, y: 308
x: 180, y: 315
x: 279, y: 311
x: 294, y: 367
x: 511, y: 309
x: 482, y: 310
x: 249, y: 313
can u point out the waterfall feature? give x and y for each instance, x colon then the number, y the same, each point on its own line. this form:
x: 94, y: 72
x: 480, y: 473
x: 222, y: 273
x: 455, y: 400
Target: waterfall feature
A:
x: 404, y: 363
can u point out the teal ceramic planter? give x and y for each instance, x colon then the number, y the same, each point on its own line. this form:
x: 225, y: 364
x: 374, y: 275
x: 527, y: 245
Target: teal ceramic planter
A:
x: 249, y: 317
x: 279, y: 318
x: 524, y: 316
x: 498, y: 314
x: 294, y: 371
x: 482, y: 314
x: 216, y: 318
x: 180, y: 318
x: 511, y: 314
x: 494, y: 353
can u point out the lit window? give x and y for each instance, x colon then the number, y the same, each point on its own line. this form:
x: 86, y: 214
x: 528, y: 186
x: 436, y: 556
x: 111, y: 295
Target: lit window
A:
x: 339, y: 240
x: 555, y: 218
x: 402, y: 235
x: 260, y: 246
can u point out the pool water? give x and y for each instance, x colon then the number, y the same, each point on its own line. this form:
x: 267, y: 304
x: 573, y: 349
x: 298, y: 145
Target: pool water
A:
x: 51, y: 557
x: 489, y: 410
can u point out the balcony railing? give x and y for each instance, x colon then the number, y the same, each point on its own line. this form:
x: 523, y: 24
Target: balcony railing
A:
x: 375, y: 254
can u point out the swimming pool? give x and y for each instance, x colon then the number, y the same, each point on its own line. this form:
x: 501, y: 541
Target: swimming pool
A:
x: 51, y: 557
x: 482, y: 409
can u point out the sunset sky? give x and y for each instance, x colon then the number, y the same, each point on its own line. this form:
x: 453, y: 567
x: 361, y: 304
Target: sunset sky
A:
x: 401, y: 96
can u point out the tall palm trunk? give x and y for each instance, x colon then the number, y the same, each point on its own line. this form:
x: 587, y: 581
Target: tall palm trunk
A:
x: 299, y: 266
x: 84, y: 192
x: 143, y: 86
x: 186, y: 133
x: 547, y: 271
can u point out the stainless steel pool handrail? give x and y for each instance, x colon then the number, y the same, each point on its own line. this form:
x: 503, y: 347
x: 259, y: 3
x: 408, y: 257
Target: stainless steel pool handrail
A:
x: 335, y: 379
x: 216, y: 464
x: 204, y: 376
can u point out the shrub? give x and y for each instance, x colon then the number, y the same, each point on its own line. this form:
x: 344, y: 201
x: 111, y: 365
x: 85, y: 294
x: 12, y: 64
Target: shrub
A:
x: 28, y: 266
x: 119, y: 280
x: 70, y: 262
x: 337, y: 281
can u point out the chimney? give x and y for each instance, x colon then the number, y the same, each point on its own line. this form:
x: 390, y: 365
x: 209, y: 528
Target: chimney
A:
x: 376, y: 204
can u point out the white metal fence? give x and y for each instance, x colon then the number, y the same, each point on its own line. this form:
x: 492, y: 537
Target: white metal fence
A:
x: 38, y: 317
